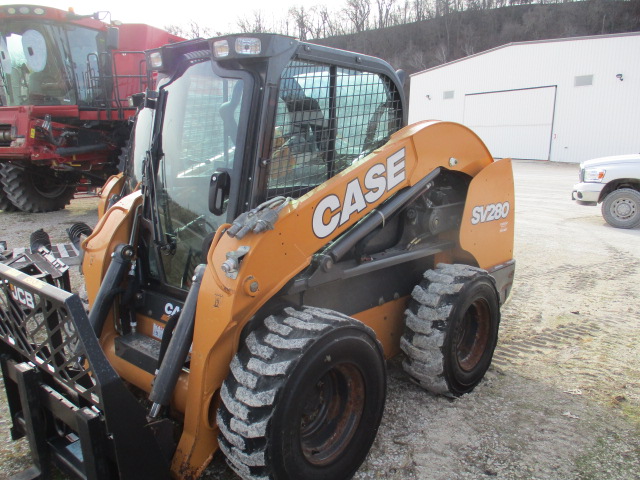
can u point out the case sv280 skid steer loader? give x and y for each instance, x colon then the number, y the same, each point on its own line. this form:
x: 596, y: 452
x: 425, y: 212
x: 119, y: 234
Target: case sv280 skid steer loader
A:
x: 289, y: 235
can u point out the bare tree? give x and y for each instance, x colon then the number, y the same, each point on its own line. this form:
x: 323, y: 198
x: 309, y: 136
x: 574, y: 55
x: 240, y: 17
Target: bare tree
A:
x: 385, y: 8
x: 358, y: 12
x: 415, y: 57
x: 330, y: 22
x: 256, y: 24
x: 467, y: 39
x: 441, y: 53
x: 443, y: 7
x: 316, y: 23
x: 301, y: 20
x: 422, y: 10
x: 191, y: 30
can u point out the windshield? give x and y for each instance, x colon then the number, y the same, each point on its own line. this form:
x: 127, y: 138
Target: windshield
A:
x: 133, y: 156
x: 51, y: 64
x: 199, y: 133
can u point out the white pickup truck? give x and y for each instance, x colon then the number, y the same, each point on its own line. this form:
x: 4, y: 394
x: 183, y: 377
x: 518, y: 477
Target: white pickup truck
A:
x: 614, y: 182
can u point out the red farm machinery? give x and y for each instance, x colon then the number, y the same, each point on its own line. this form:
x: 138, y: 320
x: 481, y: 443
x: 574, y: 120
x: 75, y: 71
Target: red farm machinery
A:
x: 66, y: 87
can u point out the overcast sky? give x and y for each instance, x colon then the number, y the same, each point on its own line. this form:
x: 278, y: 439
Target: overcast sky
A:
x: 216, y: 15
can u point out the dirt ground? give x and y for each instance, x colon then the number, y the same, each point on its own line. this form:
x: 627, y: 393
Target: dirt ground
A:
x: 562, y: 399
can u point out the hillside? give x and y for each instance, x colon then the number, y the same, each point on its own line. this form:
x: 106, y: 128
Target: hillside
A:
x: 421, y: 45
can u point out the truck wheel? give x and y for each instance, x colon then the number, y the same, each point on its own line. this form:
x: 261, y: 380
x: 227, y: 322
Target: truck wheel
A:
x: 304, y: 398
x: 5, y: 203
x: 621, y: 208
x: 451, y: 329
x: 36, y: 189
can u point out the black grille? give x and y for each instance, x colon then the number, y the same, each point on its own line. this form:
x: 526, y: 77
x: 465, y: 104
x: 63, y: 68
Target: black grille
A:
x: 40, y: 327
x: 327, y: 118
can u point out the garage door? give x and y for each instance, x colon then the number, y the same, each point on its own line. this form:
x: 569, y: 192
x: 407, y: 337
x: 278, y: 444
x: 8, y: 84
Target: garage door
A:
x: 513, y: 123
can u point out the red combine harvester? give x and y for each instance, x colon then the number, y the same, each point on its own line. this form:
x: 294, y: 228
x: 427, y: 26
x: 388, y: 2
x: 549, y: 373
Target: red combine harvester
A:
x: 65, y: 89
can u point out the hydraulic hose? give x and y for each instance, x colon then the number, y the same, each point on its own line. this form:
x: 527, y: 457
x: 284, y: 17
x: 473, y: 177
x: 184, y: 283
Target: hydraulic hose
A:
x: 120, y: 264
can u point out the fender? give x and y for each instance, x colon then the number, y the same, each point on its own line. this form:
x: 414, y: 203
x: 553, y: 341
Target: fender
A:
x: 487, y: 228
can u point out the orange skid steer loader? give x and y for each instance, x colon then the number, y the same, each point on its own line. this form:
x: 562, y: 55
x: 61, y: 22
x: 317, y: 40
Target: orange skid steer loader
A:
x: 288, y: 236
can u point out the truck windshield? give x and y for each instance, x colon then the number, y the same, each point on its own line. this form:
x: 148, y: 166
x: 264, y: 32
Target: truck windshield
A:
x: 199, y: 134
x: 50, y: 64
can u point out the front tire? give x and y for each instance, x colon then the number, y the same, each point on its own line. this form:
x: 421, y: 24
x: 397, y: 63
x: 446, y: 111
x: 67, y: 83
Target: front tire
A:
x: 621, y: 208
x: 451, y: 329
x: 36, y: 189
x: 304, y: 398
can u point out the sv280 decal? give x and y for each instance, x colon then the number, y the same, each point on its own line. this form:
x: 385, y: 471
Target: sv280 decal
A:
x: 491, y: 212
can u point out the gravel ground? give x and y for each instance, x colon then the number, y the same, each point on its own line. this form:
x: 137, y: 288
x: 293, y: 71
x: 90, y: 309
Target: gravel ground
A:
x: 562, y: 399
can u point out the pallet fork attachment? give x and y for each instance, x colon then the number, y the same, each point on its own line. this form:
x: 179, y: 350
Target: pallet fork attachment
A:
x: 64, y: 395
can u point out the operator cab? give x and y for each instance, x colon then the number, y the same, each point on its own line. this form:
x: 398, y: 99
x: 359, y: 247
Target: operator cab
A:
x: 240, y: 120
x: 51, y: 62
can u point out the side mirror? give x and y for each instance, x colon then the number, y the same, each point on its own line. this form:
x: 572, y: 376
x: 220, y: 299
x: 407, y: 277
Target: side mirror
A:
x: 113, y: 38
x: 219, y: 187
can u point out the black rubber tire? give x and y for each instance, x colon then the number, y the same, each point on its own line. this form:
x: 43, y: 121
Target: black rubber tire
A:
x: 451, y: 329
x: 621, y: 208
x: 5, y: 203
x: 275, y: 420
x: 36, y: 189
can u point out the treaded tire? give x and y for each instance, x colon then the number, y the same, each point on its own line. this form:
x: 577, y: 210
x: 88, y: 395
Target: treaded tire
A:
x: 451, y: 329
x: 304, y: 398
x: 621, y: 208
x: 5, y: 203
x: 35, y: 189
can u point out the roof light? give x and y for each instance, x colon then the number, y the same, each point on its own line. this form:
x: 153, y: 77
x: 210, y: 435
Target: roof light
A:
x: 221, y: 48
x: 155, y: 59
x: 38, y: 11
x: 24, y: 10
x: 248, y: 46
x: 11, y: 11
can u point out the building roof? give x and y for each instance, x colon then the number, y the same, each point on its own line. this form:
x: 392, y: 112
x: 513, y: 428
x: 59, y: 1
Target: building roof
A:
x: 530, y: 42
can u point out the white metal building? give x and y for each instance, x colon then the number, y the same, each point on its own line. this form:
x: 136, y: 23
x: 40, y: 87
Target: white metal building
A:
x: 564, y: 100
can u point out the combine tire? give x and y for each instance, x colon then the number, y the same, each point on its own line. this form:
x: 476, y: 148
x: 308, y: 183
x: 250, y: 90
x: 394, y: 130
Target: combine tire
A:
x: 36, y: 189
x: 451, y: 329
x: 621, y: 208
x: 5, y: 204
x: 304, y: 398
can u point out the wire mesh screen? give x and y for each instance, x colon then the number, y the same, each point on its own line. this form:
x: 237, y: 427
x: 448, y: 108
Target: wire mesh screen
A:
x: 327, y: 118
x: 42, y: 330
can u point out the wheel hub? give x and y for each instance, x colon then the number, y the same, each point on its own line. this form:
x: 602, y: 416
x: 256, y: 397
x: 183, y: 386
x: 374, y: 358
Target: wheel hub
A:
x: 623, y: 208
x: 472, y: 335
x: 331, y: 414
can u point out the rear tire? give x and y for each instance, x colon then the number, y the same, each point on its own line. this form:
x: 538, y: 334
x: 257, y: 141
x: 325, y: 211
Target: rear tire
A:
x: 451, y: 329
x: 5, y: 203
x: 37, y: 189
x: 621, y: 208
x: 304, y: 398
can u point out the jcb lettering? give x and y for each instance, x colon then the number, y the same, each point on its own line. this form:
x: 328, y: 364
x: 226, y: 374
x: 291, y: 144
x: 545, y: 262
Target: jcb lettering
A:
x: 23, y: 297
x: 488, y: 213
x: 331, y: 211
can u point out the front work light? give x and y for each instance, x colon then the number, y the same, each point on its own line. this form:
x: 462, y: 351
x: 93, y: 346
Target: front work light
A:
x: 221, y: 48
x: 248, y: 46
x: 155, y: 59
